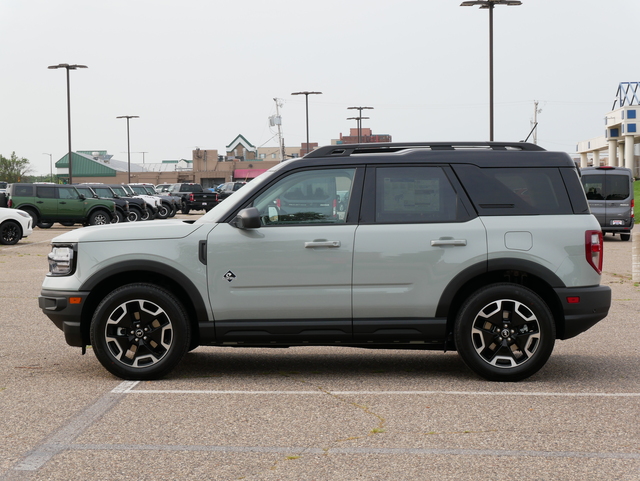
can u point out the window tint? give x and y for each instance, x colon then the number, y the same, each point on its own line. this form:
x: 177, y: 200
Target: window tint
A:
x: 593, y: 186
x: 514, y: 191
x: 46, y: 192
x: 617, y: 187
x: 68, y: 193
x: 310, y: 197
x: 606, y: 186
x: 414, y: 194
x: 22, y: 190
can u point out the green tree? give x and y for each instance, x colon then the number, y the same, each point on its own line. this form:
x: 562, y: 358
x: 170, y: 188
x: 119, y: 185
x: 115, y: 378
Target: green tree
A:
x: 14, y: 168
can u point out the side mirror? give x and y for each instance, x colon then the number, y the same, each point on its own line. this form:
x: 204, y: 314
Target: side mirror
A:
x: 81, y: 197
x: 248, y: 218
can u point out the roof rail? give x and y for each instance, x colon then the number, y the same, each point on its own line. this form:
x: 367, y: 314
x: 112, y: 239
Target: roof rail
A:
x: 346, y: 150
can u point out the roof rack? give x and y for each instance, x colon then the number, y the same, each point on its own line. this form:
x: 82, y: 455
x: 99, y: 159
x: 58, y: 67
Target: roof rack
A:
x: 346, y: 150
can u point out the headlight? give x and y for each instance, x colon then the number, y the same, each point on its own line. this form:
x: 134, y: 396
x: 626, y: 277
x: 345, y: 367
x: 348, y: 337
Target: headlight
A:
x: 22, y: 213
x: 62, y: 260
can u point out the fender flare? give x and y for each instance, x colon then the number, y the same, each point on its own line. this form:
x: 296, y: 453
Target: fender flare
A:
x: 175, y: 275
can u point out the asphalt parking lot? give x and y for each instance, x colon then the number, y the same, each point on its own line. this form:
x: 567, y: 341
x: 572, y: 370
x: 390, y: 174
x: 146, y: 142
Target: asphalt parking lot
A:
x: 314, y: 413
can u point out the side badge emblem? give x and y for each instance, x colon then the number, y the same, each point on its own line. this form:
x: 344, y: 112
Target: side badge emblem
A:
x: 229, y: 276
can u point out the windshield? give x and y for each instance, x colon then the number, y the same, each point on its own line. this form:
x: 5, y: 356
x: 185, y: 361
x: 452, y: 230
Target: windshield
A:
x: 138, y: 189
x: 103, y: 191
x: 118, y: 189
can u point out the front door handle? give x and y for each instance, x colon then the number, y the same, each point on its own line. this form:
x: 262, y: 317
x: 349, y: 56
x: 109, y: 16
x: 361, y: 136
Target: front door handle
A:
x: 322, y: 244
x: 449, y: 242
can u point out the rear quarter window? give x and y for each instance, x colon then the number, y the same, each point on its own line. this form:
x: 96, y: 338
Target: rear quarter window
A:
x: 515, y: 191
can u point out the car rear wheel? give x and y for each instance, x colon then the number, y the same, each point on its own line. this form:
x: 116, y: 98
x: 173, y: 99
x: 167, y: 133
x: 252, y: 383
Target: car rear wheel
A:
x: 10, y: 233
x: 140, y: 331
x: 505, y: 332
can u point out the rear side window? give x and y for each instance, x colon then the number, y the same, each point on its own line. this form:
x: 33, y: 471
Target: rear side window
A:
x: 515, y: 191
x: 22, y: 190
x: 46, y: 192
x: 414, y: 195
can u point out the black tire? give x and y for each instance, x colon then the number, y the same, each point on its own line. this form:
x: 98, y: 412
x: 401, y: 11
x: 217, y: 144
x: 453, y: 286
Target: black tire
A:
x: 185, y: 209
x: 10, y: 233
x: 147, y: 215
x: 34, y: 216
x: 140, y: 331
x: 174, y: 210
x: 135, y: 214
x: 67, y: 224
x: 625, y: 237
x: 44, y: 225
x: 119, y: 217
x: 99, y: 217
x: 163, y: 212
x: 505, y: 332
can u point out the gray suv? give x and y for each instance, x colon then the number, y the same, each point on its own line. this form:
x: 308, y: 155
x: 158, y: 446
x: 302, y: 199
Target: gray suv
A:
x: 484, y: 248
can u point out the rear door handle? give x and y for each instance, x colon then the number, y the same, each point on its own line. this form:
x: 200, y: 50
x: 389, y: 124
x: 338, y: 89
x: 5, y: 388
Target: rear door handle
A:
x: 449, y: 242
x: 322, y: 244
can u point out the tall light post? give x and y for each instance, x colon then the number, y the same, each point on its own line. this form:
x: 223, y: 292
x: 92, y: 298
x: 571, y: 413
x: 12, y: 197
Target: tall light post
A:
x: 50, y: 164
x: 489, y: 4
x: 306, y: 94
x: 128, y: 145
x: 359, y: 124
x: 359, y: 109
x: 68, y: 67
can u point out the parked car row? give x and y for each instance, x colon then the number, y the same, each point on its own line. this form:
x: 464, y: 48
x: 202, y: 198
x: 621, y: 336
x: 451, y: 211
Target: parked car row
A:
x: 88, y: 204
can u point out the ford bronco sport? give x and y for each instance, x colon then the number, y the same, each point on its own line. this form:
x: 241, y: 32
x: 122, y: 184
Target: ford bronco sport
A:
x: 485, y: 248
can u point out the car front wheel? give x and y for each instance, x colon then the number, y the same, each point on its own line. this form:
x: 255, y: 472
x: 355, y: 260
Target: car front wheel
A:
x: 140, y: 331
x: 10, y: 233
x: 505, y: 332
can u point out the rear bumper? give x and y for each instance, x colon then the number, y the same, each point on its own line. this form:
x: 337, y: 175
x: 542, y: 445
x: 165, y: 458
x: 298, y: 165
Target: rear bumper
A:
x: 66, y: 316
x: 593, y: 306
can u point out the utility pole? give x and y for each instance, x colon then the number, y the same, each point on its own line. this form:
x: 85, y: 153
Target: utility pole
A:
x: 534, y: 124
x: 277, y: 121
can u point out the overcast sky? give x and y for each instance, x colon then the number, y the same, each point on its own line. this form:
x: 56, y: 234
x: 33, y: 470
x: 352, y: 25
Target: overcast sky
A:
x: 198, y: 73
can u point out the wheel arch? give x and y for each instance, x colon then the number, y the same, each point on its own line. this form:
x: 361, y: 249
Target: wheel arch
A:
x: 517, y: 271
x: 149, y: 272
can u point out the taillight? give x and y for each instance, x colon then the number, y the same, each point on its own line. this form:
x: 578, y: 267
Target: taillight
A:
x: 10, y: 203
x: 191, y: 198
x: 633, y: 203
x: 594, y: 249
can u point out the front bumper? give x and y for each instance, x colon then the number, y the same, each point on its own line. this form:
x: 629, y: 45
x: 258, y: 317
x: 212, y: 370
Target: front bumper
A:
x: 65, y: 311
x: 593, y: 306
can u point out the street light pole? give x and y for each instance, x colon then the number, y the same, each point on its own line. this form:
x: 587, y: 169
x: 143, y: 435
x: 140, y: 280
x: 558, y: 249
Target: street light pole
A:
x: 489, y: 4
x: 360, y: 109
x: 359, y: 124
x: 50, y: 164
x: 68, y: 67
x: 128, y: 145
x: 306, y: 94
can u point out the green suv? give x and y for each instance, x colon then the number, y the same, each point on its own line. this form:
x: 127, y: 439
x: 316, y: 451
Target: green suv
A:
x: 49, y: 203
x: 486, y: 248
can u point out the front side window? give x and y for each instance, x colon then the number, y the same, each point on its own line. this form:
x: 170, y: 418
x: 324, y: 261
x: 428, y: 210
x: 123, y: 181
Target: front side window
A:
x: 67, y: 193
x: 414, y: 194
x: 309, y: 197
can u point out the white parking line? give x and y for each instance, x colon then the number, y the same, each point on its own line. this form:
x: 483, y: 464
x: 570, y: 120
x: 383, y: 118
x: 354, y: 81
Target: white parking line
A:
x: 128, y: 387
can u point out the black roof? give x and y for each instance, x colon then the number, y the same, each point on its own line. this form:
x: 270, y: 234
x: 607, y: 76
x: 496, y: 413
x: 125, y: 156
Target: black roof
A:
x: 485, y: 154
